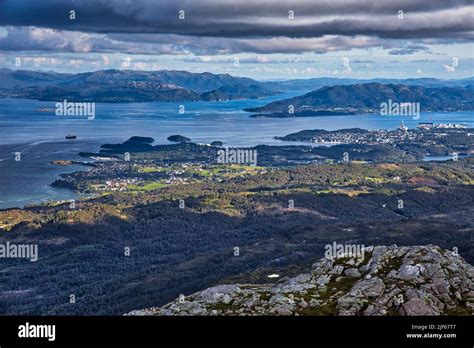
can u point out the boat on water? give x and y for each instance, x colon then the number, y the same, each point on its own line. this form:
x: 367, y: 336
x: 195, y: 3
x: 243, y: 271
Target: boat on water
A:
x: 71, y: 136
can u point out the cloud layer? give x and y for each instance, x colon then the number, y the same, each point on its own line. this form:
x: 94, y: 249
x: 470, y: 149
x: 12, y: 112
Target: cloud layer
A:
x: 208, y: 27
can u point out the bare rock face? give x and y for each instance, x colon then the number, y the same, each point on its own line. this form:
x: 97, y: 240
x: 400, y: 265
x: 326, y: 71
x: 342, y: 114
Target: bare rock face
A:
x: 415, y: 280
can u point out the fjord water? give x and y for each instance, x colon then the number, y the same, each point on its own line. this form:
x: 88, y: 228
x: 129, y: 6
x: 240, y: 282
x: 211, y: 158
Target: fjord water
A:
x: 40, y: 135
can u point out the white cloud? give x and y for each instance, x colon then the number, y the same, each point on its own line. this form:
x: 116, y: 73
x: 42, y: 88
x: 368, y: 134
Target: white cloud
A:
x: 75, y: 62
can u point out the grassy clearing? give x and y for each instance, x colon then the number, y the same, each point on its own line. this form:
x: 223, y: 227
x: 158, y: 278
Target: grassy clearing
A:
x: 148, y: 187
x: 152, y: 169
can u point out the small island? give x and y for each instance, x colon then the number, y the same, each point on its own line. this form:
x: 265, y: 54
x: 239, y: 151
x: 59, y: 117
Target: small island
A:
x: 305, y: 113
x: 178, y: 139
x: 62, y: 162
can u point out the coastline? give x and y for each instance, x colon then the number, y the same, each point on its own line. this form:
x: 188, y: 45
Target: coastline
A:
x: 117, y: 123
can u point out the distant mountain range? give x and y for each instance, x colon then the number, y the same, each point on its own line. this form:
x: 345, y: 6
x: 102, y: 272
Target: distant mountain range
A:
x: 316, y: 83
x: 367, y: 98
x: 146, y: 86
x: 128, y: 86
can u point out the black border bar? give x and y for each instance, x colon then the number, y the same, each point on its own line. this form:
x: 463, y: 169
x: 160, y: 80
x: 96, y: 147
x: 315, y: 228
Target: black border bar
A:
x: 139, y: 331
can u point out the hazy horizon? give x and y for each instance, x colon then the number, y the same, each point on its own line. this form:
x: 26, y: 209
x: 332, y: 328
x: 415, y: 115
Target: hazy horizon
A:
x: 257, y: 79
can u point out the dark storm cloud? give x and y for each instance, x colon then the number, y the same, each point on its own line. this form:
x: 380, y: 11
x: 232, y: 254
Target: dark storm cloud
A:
x: 41, y: 39
x: 230, y: 26
x: 226, y: 18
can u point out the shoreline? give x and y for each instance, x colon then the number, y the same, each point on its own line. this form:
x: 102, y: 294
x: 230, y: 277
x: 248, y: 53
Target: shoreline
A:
x: 234, y: 137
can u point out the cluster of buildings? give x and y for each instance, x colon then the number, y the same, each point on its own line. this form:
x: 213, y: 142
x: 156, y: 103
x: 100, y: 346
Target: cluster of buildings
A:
x: 431, y: 125
x: 381, y: 136
x: 399, y: 135
x: 118, y: 184
x: 175, y: 180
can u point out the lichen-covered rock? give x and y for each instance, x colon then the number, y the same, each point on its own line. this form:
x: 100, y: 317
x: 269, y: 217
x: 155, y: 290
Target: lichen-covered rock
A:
x: 372, y: 287
x: 352, y: 273
x: 390, y: 280
x: 417, y: 306
x: 217, y: 293
x: 408, y: 272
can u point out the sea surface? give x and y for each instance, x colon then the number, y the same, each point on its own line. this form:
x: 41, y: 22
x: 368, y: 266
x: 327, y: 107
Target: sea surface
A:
x: 33, y: 129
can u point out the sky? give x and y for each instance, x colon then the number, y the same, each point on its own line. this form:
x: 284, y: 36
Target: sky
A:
x: 261, y: 39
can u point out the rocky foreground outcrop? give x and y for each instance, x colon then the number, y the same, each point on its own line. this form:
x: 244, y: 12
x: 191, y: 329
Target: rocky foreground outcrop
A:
x: 415, y: 280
